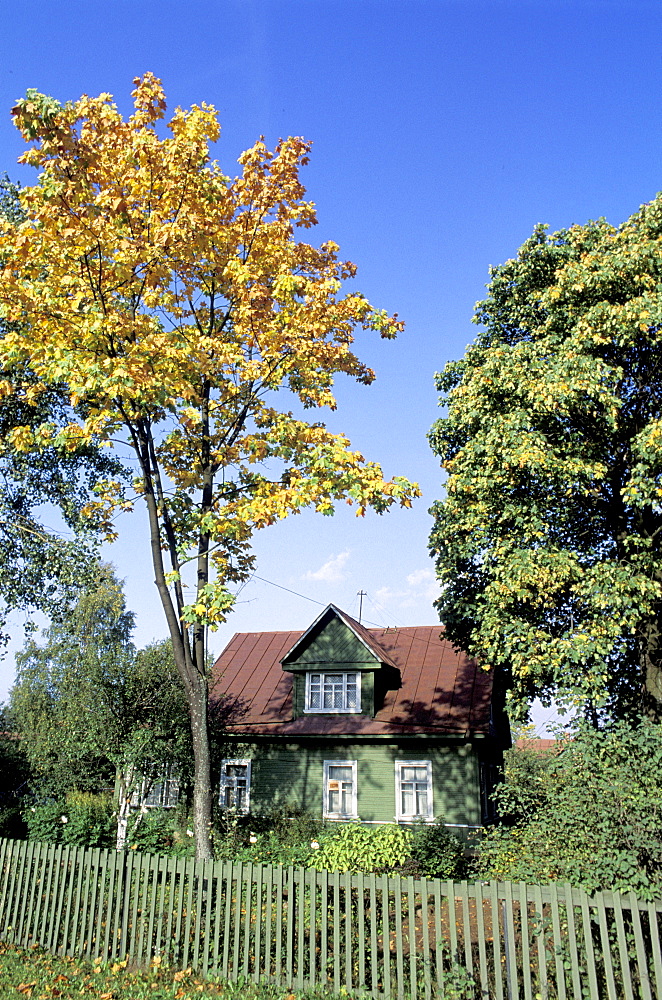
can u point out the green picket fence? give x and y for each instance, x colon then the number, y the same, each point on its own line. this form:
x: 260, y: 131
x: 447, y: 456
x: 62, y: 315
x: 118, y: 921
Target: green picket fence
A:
x: 379, y: 935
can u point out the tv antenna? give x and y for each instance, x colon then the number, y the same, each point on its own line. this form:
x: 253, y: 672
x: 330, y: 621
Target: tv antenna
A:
x: 361, y: 594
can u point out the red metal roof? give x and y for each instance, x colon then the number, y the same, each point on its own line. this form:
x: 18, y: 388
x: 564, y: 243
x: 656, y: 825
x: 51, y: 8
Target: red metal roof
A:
x: 539, y: 745
x: 442, y: 690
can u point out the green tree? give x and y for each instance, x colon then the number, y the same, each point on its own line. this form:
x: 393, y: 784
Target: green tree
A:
x: 187, y: 320
x: 90, y: 709
x: 41, y: 568
x: 549, y: 540
x: 590, y: 814
x: 14, y: 777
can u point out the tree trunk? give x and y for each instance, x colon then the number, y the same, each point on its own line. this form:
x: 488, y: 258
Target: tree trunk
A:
x: 651, y: 665
x: 192, y: 673
x: 202, y: 797
x: 123, y: 805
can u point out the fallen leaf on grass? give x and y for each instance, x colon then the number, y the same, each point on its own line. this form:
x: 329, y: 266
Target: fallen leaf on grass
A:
x: 26, y: 988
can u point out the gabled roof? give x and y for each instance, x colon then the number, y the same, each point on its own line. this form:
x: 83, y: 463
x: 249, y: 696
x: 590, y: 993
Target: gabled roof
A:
x: 442, y: 690
x: 362, y: 634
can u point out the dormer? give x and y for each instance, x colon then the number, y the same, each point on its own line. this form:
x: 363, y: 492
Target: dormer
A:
x: 338, y: 668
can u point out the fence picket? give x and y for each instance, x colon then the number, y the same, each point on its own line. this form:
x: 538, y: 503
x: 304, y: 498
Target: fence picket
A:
x: 482, y: 950
x: 526, y: 953
x: 75, y: 864
x: 238, y: 877
x: 348, y: 930
x: 411, y: 926
x: 386, y: 936
x: 425, y: 921
x: 18, y: 887
x: 312, y: 937
x: 654, y: 931
x: 640, y: 949
x: 496, y: 936
x: 624, y: 960
x: 299, y: 979
x: 257, y: 936
x: 92, y: 935
x: 558, y: 943
x: 226, y: 903
x: 360, y: 920
x: 604, y: 937
x: 336, y: 932
x: 278, y: 955
x: 324, y: 931
x: 289, y: 930
x: 588, y: 942
x: 372, y: 890
x: 248, y: 909
x: 510, y: 952
x: 51, y: 934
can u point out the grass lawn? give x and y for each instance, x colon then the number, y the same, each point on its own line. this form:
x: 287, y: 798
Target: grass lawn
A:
x: 39, y: 975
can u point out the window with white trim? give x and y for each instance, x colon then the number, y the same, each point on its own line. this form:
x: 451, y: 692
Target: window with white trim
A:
x: 413, y: 790
x: 160, y: 790
x: 333, y: 691
x: 235, y: 785
x: 340, y: 789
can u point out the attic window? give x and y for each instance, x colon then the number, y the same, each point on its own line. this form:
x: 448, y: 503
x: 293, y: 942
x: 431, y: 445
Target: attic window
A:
x: 333, y: 692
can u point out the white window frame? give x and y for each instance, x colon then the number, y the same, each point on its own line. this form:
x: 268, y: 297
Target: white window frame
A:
x: 333, y: 711
x: 399, y: 815
x: 353, y: 814
x: 164, y: 787
x: 230, y: 782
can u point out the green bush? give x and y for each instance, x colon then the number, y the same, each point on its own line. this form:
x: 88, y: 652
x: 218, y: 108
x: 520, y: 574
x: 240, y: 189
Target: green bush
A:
x: 280, y: 837
x: 81, y: 819
x: 595, y: 819
x: 437, y: 853
x: 353, y: 847
x: 162, y: 831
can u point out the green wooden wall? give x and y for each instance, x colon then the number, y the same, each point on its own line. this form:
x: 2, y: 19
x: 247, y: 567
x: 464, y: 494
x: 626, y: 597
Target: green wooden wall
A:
x: 292, y: 774
x: 335, y: 646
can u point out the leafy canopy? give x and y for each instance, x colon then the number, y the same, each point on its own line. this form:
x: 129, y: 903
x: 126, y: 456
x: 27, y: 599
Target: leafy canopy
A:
x: 549, y: 540
x: 86, y: 703
x: 42, y: 567
x: 159, y: 291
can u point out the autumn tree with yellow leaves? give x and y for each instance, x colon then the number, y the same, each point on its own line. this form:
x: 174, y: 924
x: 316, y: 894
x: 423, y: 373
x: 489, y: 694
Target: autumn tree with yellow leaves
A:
x: 180, y: 313
x: 549, y: 540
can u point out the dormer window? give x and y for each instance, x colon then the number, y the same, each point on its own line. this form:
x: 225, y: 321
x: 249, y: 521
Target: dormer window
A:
x: 336, y: 691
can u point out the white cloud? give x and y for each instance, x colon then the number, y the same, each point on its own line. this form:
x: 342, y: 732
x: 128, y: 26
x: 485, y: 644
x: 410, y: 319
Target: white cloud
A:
x: 420, y: 576
x: 422, y: 588
x: 331, y: 571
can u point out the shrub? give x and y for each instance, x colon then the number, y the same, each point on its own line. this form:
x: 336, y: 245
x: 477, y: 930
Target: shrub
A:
x: 81, y: 819
x: 163, y: 831
x: 353, y: 847
x: 598, y: 821
x: 437, y: 853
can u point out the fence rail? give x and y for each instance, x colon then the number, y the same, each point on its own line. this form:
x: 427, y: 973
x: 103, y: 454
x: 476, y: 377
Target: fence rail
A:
x: 380, y: 935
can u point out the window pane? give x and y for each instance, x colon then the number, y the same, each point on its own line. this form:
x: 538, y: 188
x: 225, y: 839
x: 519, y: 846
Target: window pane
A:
x: 352, y: 700
x: 414, y: 773
x: 340, y: 772
x: 340, y: 787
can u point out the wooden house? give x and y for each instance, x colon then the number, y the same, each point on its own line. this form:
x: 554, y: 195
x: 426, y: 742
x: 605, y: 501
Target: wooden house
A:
x: 355, y: 723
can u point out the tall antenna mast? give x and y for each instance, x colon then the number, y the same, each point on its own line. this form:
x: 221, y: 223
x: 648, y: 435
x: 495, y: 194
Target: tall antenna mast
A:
x: 361, y: 594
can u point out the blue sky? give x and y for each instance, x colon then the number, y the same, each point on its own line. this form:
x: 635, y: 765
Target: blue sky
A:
x: 443, y: 132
